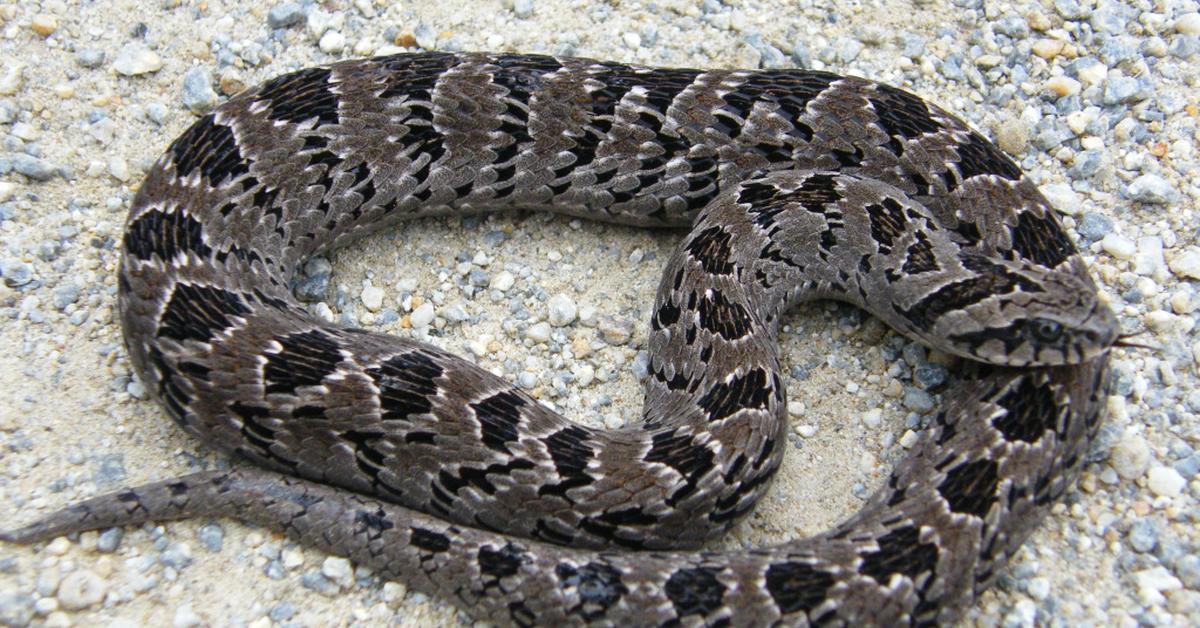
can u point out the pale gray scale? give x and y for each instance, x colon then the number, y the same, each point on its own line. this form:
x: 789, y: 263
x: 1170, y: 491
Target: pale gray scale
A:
x: 800, y: 185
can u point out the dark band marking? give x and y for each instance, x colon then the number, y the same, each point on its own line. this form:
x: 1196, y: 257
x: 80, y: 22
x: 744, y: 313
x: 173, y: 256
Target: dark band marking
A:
x: 597, y: 585
x: 747, y: 391
x: 719, y: 315
x: 406, y: 385
x: 166, y: 235
x: 680, y: 452
x: 300, y: 96
x: 498, y: 418
x: 712, y: 249
x: 199, y: 312
x: 970, y: 488
x: 900, y: 552
x: 429, y: 540
x: 695, y: 591
x: 211, y: 148
x: 797, y: 587
x: 1030, y: 411
x: 1041, y: 240
x: 306, y: 359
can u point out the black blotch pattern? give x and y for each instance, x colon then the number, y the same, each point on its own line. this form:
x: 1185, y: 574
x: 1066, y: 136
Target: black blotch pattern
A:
x: 571, y: 457
x: 920, y: 258
x: 1029, y: 407
x: 990, y: 279
x: 199, y: 312
x: 695, y: 591
x: 375, y: 523
x: 790, y: 90
x: 900, y: 552
x: 970, y: 488
x: 406, y: 385
x: 369, y: 458
x: 667, y: 315
x: 429, y: 540
x: 680, y: 452
x: 712, y: 249
x: 597, y: 585
x: 744, y: 391
x: 1041, y: 240
x: 166, y: 235
x: 211, y: 148
x: 300, y: 96
x: 305, y: 360
x: 498, y: 417
x: 901, y: 113
x: 723, y: 317
x: 977, y: 156
x: 797, y: 587
x: 448, y: 484
x: 501, y: 563
x: 887, y: 223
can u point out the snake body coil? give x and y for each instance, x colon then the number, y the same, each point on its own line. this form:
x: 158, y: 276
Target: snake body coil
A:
x: 797, y: 185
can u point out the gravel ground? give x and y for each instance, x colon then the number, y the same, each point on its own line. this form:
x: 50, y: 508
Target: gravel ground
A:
x: 1097, y: 100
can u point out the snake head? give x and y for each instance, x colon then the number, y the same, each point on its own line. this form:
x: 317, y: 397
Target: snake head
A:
x: 1015, y: 313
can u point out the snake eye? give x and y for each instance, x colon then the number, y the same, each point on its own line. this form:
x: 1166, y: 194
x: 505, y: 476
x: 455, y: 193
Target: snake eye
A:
x: 1046, y: 330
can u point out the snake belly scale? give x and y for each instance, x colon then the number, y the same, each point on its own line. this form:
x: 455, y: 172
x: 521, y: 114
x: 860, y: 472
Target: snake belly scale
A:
x: 797, y: 185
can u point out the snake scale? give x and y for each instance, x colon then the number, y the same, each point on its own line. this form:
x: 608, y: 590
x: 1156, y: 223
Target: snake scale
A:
x: 797, y: 185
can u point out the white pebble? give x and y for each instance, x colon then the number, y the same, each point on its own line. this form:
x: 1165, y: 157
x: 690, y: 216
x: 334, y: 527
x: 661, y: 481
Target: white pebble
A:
x: 1149, y: 259
x: 1165, y: 482
x: 1118, y: 246
x: 135, y: 58
x: 1187, y: 263
x: 1188, y: 24
x: 12, y: 78
x: 1130, y: 456
x: 1062, y: 197
x: 538, y: 332
x: 1156, y: 578
x: 58, y: 546
x: 585, y: 374
x: 908, y: 439
x: 185, y: 617
x: 807, y: 431
x: 796, y: 408
x: 338, y: 569
x: 422, y: 316
x: 1062, y: 85
x: 873, y: 417
x: 81, y: 589
x: 7, y: 188
x: 332, y: 42
x: 561, y: 310
x: 372, y: 297
x: 502, y: 281
x: 119, y: 169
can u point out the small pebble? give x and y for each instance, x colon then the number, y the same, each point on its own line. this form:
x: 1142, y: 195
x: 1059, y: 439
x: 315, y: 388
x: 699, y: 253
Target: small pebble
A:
x: 45, y: 25
x: 1152, y: 189
x: 561, y: 310
x: 422, y: 316
x: 135, y: 59
x: 198, y: 95
x: 81, y: 589
x: 1165, y: 482
x: 1130, y: 456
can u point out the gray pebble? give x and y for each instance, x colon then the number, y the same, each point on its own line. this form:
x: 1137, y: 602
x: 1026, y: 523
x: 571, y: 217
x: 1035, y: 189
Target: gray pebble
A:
x: 286, y: 14
x: 1152, y: 189
x: 1188, y: 570
x: 848, y: 50
x: 1188, y: 467
x: 1014, y: 26
x: 1093, y: 227
x: 109, y: 540
x: 16, y: 609
x: 111, y: 470
x: 211, y: 536
x: 317, y: 581
x: 32, y: 167
x: 1184, y: 46
x: 523, y: 8
x: 65, y: 295
x: 918, y: 400
x: 312, y: 289
x: 929, y: 376
x: 495, y: 238
x: 1143, y: 535
x: 90, y: 58
x: 198, y: 95
x: 16, y: 273
x: 1086, y: 163
x: 274, y: 570
x: 282, y: 611
x: 913, y: 46
x: 1122, y: 89
x: 177, y: 556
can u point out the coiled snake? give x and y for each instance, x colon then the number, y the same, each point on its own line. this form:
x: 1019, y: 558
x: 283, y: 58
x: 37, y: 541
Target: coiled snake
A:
x: 797, y: 185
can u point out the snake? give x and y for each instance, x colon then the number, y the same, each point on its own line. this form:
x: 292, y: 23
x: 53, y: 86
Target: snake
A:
x: 794, y: 185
